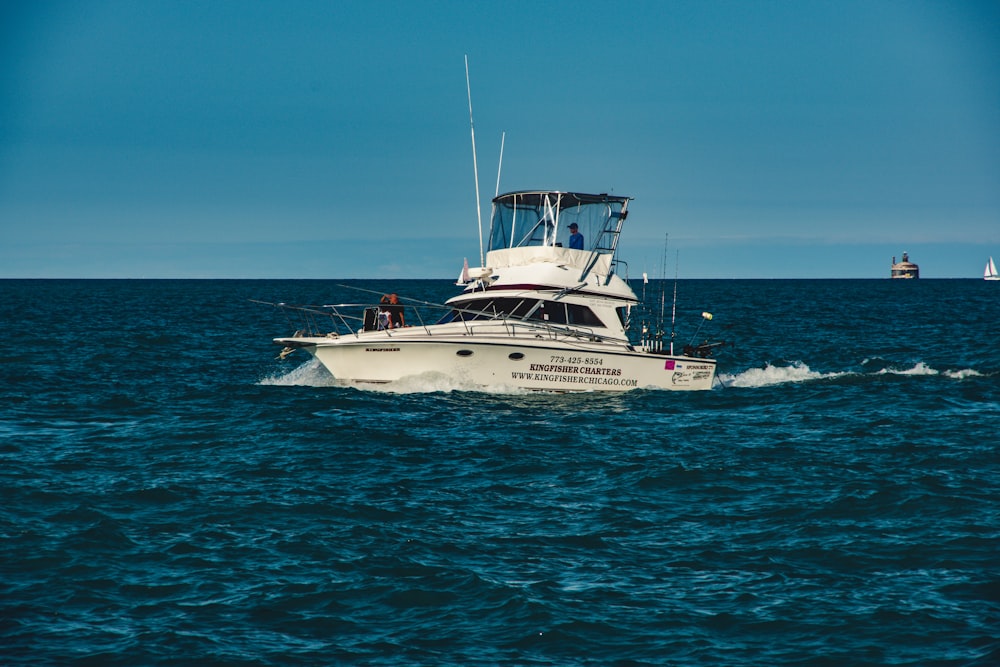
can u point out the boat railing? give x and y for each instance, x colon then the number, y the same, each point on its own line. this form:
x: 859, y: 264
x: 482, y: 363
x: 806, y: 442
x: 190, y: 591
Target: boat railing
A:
x: 306, y: 319
x: 354, y: 319
x: 517, y: 327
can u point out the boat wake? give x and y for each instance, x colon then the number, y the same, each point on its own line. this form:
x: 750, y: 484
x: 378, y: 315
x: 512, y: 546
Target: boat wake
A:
x: 799, y: 372
x: 923, y: 369
x: 313, y: 374
x: 433, y: 383
x: 310, y: 374
x: 772, y: 375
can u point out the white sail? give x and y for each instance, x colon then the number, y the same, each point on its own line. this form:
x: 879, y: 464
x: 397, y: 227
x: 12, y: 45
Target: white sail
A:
x: 990, y: 273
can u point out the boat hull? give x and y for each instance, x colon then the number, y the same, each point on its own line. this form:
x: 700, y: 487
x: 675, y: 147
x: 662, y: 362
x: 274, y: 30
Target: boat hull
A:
x: 532, y: 365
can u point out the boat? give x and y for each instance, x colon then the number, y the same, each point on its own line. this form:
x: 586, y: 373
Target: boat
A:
x: 990, y: 272
x: 905, y: 269
x: 537, y: 315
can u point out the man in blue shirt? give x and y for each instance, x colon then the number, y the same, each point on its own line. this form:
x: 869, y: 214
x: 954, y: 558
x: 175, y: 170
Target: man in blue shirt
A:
x: 575, y: 237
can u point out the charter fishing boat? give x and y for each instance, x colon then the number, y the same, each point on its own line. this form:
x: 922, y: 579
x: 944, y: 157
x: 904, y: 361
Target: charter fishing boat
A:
x: 990, y: 272
x: 544, y: 312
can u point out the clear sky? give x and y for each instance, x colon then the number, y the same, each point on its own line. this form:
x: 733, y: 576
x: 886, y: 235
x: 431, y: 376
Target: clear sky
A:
x: 331, y: 139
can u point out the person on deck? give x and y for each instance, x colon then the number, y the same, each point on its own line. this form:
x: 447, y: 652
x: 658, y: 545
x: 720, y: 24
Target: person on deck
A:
x: 575, y: 237
x: 394, y: 309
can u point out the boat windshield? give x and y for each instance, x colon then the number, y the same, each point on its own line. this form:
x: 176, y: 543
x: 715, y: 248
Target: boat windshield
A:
x: 553, y: 312
x: 543, y: 218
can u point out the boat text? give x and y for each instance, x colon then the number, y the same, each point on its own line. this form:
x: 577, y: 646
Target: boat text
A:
x: 576, y: 379
x: 588, y: 361
x: 586, y: 370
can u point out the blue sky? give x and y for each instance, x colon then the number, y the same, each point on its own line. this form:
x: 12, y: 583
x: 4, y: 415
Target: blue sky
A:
x: 331, y: 139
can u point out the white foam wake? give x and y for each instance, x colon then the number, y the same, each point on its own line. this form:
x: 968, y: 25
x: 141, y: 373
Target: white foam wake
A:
x: 963, y: 374
x: 309, y: 374
x: 798, y: 371
x: 313, y: 374
x: 771, y: 375
x: 920, y: 368
x: 434, y: 382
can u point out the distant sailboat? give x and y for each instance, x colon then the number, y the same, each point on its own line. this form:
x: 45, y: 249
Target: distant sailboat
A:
x: 990, y: 273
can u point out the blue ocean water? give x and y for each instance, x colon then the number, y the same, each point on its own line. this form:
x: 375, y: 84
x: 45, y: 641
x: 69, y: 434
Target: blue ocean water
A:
x: 172, y: 494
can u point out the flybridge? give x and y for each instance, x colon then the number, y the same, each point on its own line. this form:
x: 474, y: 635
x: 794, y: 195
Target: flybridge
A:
x: 541, y: 219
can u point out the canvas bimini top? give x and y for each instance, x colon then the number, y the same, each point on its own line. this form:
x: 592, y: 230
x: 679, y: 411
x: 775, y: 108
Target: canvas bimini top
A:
x: 541, y: 218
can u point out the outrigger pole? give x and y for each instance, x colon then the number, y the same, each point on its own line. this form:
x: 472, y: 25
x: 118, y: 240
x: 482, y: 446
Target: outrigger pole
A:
x: 475, y: 167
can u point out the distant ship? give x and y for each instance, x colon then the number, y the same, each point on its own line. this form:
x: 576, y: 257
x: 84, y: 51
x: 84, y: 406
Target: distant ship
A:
x: 905, y: 268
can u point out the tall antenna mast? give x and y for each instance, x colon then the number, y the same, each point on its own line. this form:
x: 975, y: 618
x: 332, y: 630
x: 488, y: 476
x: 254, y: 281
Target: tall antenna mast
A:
x: 503, y: 135
x: 475, y: 167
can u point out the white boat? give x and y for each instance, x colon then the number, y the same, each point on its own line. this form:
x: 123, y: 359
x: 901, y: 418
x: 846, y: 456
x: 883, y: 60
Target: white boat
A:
x: 990, y: 272
x: 538, y: 315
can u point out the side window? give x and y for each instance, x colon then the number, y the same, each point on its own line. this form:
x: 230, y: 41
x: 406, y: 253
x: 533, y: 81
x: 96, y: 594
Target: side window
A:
x: 448, y: 317
x: 551, y: 312
x: 480, y: 307
x: 582, y: 315
x: 460, y: 315
x: 517, y: 307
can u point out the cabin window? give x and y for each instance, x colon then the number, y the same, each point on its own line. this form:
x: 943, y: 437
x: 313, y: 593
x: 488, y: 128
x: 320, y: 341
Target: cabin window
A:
x: 554, y: 312
x: 551, y: 312
x: 448, y: 317
x: 577, y: 314
x: 488, y: 309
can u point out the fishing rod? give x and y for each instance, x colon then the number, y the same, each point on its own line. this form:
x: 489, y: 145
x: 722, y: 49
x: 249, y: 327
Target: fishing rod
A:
x: 408, y: 300
x: 673, y: 308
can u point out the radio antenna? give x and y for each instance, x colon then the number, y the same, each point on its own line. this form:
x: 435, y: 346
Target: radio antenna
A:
x: 503, y: 135
x: 475, y: 167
